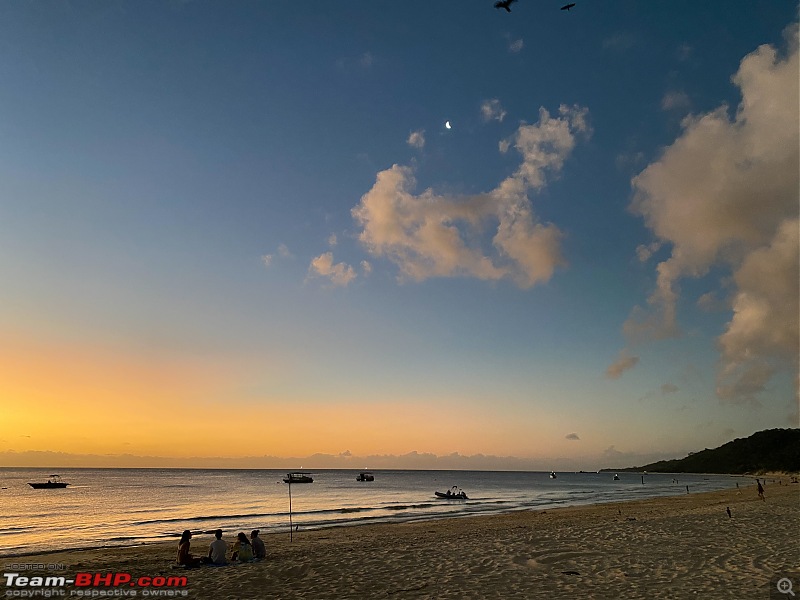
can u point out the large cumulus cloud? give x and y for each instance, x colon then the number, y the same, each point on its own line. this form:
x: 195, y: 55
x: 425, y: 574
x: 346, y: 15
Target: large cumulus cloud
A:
x: 433, y: 235
x: 725, y: 194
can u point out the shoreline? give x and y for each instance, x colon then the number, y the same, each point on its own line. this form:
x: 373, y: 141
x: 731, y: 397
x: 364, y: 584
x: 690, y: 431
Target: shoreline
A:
x: 662, y: 547
x: 202, y: 532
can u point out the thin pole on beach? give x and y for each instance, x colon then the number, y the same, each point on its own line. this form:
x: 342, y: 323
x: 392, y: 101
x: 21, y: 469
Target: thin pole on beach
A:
x: 291, y: 528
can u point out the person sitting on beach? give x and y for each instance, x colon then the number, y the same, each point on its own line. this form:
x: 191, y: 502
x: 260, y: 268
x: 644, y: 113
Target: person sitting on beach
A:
x: 185, y: 557
x: 242, y: 550
x: 259, y: 550
x: 218, y: 550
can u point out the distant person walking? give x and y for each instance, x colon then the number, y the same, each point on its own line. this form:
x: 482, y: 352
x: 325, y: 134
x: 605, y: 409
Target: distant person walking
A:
x: 760, y: 490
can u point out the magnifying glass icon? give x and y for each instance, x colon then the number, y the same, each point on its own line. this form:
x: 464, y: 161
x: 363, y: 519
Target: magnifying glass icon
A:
x: 785, y: 586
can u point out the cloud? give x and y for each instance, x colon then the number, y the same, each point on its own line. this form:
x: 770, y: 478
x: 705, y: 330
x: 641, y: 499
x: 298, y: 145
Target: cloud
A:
x: 619, y: 42
x: 669, y: 388
x: 572, y: 436
x: 332, y: 240
x: 340, y: 274
x: 267, y: 260
x: 416, y: 139
x: 432, y: 235
x: 515, y: 46
x: 366, y: 60
x: 283, y: 251
x: 624, y: 362
x: 366, y: 267
x: 492, y: 110
x: 724, y: 194
x: 644, y: 252
x: 675, y: 101
x: 684, y: 52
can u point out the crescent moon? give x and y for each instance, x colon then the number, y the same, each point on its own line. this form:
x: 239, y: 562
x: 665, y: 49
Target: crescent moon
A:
x: 447, y: 124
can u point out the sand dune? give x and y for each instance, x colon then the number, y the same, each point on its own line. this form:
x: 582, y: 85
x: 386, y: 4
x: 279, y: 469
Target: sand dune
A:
x: 680, y: 547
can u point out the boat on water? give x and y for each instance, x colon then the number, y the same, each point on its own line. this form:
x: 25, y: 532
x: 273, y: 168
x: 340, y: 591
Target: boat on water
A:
x: 454, y: 493
x: 553, y: 475
x: 616, y: 477
x: 298, y: 478
x: 53, y: 482
x: 365, y: 477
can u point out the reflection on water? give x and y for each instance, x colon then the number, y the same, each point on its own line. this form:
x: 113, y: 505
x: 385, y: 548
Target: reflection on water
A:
x: 127, y: 506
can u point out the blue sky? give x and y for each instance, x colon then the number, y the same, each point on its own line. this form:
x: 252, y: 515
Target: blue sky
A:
x: 248, y: 214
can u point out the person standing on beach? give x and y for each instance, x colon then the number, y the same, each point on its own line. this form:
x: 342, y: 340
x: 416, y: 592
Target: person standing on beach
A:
x: 218, y: 549
x: 259, y: 550
x: 760, y: 490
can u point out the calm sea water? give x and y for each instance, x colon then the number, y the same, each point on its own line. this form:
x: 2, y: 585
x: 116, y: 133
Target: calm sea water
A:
x: 108, y: 507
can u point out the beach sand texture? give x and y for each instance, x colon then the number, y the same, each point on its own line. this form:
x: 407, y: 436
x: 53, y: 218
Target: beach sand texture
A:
x: 678, y: 547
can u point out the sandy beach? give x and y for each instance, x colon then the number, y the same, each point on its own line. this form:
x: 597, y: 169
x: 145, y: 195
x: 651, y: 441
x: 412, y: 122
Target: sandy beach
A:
x: 679, y: 547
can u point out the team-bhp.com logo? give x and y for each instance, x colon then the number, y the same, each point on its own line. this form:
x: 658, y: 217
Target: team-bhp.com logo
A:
x: 94, y: 585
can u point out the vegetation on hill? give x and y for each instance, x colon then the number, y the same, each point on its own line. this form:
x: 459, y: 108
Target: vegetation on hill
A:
x: 772, y: 450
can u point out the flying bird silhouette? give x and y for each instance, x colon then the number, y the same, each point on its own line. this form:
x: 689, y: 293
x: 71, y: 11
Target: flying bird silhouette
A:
x: 504, y: 4
x: 567, y: 6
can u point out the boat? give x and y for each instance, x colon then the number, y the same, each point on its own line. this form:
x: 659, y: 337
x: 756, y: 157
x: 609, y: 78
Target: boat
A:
x: 553, y: 475
x: 53, y: 482
x: 365, y: 477
x: 454, y: 493
x: 298, y: 478
x: 616, y: 477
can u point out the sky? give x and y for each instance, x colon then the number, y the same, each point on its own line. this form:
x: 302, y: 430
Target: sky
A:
x: 395, y: 234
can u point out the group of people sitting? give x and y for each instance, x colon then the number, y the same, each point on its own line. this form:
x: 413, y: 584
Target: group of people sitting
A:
x: 243, y: 550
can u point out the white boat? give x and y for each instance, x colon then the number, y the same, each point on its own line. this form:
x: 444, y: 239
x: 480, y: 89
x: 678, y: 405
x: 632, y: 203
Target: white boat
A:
x: 553, y: 475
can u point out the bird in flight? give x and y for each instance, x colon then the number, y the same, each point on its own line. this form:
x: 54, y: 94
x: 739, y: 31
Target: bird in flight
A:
x: 504, y: 4
x: 567, y: 6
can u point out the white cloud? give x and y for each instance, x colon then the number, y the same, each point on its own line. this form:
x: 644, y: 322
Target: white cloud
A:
x: 340, y: 274
x: 267, y: 260
x: 675, y: 100
x: 515, y: 46
x: 431, y: 235
x: 283, y: 251
x: 492, y: 110
x: 623, y: 363
x: 416, y: 139
x: 332, y: 240
x: 725, y: 194
x: 366, y: 267
x: 644, y: 252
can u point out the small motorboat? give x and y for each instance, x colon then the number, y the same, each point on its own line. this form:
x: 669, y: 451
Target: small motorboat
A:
x: 454, y: 493
x: 298, y: 478
x: 616, y: 477
x: 365, y: 477
x: 53, y: 482
x: 553, y: 475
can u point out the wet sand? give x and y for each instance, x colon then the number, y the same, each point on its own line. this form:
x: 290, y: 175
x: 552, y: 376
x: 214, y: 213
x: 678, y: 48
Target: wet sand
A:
x: 679, y: 547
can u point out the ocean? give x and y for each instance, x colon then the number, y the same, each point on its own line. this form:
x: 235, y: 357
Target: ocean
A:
x: 122, y: 507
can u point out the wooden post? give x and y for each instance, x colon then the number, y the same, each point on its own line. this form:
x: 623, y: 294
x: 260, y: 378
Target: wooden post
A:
x: 291, y: 528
